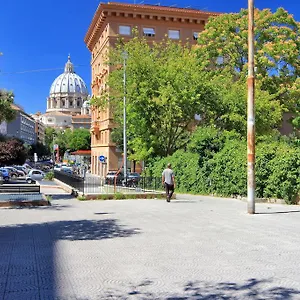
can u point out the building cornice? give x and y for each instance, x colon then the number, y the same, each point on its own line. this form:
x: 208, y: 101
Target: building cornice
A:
x: 163, y: 13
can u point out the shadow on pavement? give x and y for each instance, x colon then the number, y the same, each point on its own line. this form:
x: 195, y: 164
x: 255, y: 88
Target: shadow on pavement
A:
x: 278, y: 212
x: 253, y: 289
x: 28, y: 254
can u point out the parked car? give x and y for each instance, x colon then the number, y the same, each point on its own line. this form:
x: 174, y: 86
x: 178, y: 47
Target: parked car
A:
x: 5, y: 174
x: 12, y: 173
x: 35, y: 175
x: 21, y: 168
x: 15, y: 172
x: 110, y: 177
x: 132, y: 179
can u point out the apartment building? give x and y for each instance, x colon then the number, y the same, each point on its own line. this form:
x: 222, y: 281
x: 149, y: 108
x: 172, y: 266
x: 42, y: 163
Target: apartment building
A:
x: 114, y: 20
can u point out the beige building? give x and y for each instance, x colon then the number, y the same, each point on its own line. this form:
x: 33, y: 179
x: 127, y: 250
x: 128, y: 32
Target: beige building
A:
x: 39, y: 128
x: 113, y: 20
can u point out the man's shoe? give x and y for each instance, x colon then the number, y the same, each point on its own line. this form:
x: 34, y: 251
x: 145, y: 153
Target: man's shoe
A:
x: 168, y: 199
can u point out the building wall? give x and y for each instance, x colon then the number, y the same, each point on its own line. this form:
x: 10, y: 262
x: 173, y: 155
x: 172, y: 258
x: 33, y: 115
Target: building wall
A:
x: 102, y: 34
x: 22, y: 127
x: 40, y: 132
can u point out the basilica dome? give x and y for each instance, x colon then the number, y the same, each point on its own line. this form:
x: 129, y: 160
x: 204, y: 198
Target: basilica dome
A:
x: 68, y: 92
x: 68, y: 82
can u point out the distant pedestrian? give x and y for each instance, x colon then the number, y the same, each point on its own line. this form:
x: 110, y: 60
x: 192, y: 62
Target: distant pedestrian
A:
x: 168, y: 180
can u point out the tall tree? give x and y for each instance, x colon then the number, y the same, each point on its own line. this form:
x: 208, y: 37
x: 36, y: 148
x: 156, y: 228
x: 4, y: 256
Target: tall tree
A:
x: 223, y: 49
x: 80, y: 139
x: 12, y: 151
x: 7, y: 113
x: 164, y: 92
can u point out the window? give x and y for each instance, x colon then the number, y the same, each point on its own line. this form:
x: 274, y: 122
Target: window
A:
x: 124, y: 30
x: 78, y: 103
x: 71, y: 103
x: 149, y: 32
x: 174, y: 34
x: 196, y: 35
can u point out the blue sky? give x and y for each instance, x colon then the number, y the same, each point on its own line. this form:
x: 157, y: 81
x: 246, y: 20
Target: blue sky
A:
x: 37, y: 34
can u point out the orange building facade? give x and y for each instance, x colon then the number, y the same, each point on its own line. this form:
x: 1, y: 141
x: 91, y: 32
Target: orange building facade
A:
x: 114, y: 20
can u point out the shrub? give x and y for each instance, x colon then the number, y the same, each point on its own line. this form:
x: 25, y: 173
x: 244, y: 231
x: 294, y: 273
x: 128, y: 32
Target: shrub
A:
x: 228, y: 176
x: 81, y: 198
x: 49, y: 175
x: 119, y: 196
x: 284, y: 179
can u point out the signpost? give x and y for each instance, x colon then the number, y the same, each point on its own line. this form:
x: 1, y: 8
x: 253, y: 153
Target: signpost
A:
x: 102, y: 158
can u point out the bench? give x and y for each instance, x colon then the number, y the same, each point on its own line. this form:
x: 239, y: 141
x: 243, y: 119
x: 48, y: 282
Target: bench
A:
x: 20, y: 188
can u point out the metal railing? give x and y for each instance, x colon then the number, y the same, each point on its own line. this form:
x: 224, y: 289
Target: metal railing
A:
x: 75, y: 181
x: 91, y: 184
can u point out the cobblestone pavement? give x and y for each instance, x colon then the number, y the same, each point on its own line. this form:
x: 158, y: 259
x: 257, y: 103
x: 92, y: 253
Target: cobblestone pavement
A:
x: 191, y: 248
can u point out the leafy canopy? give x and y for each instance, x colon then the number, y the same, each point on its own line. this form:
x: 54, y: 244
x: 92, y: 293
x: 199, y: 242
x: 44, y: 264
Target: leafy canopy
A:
x: 164, y: 92
x: 7, y: 113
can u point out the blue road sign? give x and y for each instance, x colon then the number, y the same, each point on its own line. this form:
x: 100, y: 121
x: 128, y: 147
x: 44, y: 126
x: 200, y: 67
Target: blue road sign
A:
x: 102, y: 158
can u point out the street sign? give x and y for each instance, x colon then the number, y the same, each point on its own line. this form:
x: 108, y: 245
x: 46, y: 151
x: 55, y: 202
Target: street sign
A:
x: 35, y: 157
x: 102, y: 158
x: 55, y: 147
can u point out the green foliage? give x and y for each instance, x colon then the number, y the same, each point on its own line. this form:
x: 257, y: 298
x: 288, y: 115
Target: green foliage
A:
x: 228, y: 170
x: 223, y: 51
x: 40, y: 149
x: 82, y: 198
x: 119, y: 196
x: 164, y: 91
x: 7, y: 113
x: 12, y: 152
x: 216, y: 163
x: 49, y: 175
x: 284, y: 179
x: 229, y: 112
x: 77, y: 139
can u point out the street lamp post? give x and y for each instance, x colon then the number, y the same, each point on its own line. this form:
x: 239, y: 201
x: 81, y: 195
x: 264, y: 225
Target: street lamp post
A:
x: 125, y: 57
x: 251, y: 111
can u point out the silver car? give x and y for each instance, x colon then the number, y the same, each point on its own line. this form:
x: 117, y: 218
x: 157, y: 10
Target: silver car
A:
x: 35, y: 175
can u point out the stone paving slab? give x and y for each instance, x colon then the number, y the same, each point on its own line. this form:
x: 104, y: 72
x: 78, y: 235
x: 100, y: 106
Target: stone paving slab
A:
x: 192, y: 248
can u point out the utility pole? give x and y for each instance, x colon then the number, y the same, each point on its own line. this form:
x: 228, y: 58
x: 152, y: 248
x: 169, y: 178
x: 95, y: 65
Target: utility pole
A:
x: 125, y: 56
x: 251, y: 111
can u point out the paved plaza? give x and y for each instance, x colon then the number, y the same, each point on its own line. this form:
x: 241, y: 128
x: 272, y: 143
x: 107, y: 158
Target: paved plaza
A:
x: 192, y: 248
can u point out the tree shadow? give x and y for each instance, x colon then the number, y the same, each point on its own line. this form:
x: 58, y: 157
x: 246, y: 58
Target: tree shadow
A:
x: 28, y: 254
x: 254, y: 289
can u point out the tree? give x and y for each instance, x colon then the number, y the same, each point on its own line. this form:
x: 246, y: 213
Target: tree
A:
x: 67, y: 139
x: 80, y: 139
x: 164, y: 92
x: 7, y: 113
x: 40, y: 149
x: 12, y: 151
x: 229, y: 110
x: 223, y: 50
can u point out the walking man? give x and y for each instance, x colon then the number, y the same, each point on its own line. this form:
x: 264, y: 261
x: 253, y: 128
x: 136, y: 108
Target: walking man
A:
x: 168, y: 180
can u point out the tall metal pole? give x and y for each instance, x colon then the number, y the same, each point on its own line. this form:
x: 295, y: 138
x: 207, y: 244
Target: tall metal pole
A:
x: 251, y: 111
x: 125, y: 56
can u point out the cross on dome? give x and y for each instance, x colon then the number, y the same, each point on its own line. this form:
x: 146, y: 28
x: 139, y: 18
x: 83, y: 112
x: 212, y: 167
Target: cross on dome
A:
x: 69, y: 67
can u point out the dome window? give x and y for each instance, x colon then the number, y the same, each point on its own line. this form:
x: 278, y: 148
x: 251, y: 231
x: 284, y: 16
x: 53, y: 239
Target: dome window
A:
x: 78, y: 103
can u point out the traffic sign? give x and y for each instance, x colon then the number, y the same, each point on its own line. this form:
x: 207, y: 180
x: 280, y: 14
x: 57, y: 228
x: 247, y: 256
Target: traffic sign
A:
x: 102, y: 158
